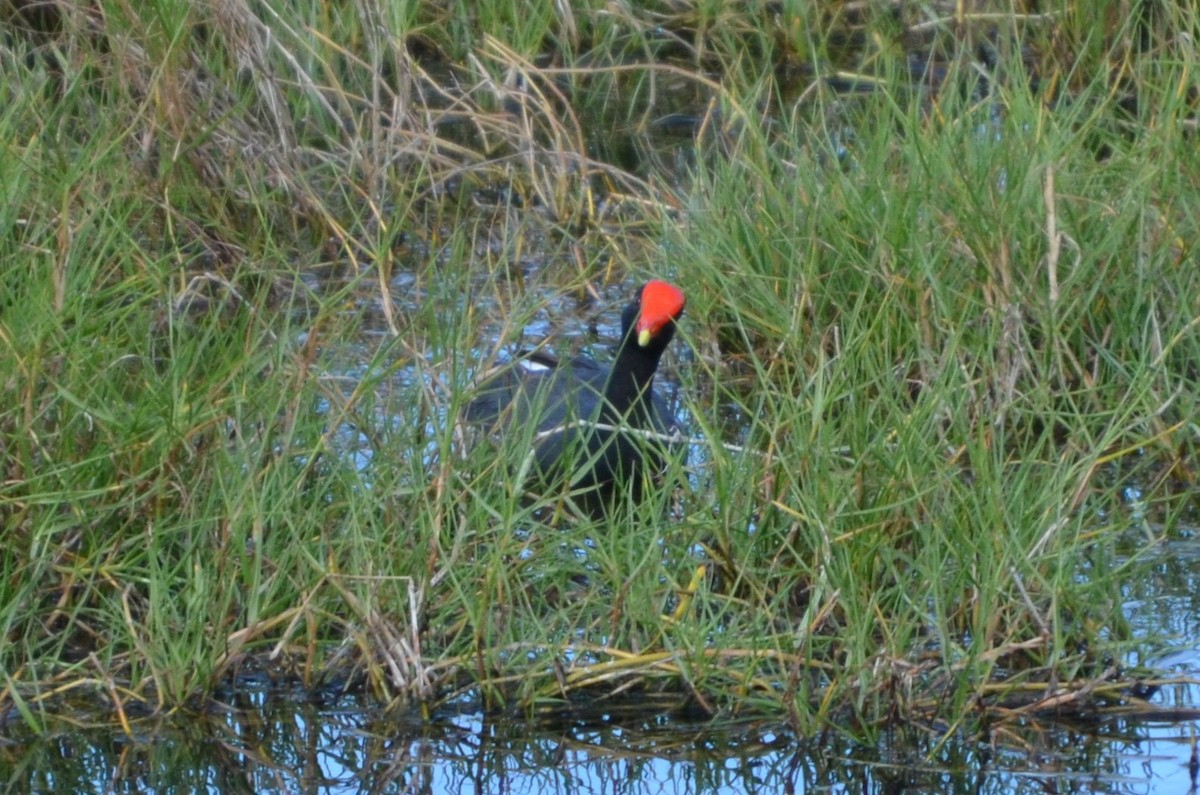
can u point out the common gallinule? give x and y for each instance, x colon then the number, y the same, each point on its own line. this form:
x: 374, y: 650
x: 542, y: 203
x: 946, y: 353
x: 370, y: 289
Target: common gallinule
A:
x: 602, y: 429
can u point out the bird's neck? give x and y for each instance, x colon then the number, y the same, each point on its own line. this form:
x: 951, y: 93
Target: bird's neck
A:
x: 628, y: 390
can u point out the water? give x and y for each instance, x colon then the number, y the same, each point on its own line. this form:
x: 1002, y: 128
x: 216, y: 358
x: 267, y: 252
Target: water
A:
x: 294, y: 746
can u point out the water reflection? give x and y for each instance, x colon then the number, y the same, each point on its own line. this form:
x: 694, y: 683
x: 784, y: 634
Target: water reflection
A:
x: 266, y: 740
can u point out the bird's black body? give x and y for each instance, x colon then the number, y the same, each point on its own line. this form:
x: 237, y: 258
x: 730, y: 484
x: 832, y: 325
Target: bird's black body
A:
x: 600, y: 429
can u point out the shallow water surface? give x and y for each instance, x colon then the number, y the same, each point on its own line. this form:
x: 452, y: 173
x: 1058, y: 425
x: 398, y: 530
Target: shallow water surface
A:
x: 275, y: 742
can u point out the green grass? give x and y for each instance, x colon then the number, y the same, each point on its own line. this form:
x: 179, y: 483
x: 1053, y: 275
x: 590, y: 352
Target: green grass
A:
x: 933, y: 339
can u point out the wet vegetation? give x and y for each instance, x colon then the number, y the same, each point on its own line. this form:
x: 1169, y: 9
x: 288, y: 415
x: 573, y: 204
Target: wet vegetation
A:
x: 940, y: 367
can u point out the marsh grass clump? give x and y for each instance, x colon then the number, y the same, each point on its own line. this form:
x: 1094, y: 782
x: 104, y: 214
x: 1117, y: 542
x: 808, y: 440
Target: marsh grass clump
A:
x: 940, y: 320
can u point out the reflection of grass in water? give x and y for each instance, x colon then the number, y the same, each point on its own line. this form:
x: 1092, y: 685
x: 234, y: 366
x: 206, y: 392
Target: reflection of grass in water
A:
x: 947, y: 322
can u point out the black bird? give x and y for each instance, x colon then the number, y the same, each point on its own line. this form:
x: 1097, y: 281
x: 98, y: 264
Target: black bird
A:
x: 600, y: 428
